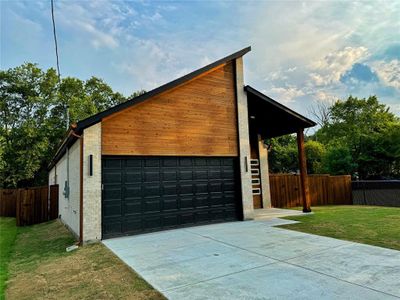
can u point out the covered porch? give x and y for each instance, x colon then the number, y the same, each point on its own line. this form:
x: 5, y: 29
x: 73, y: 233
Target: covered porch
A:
x: 268, y: 119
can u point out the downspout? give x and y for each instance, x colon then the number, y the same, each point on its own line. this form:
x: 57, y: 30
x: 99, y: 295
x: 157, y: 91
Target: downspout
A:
x: 81, y: 193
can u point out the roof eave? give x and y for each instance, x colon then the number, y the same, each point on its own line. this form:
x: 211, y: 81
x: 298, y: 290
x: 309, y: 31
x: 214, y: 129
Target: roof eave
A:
x: 250, y: 89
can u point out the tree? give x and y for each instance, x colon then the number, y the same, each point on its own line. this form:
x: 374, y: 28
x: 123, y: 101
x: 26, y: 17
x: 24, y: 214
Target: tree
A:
x: 33, y: 118
x: 315, y: 153
x: 320, y: 112
x: 283, y: 155
x: 365, y: 128
x: 338, y: 161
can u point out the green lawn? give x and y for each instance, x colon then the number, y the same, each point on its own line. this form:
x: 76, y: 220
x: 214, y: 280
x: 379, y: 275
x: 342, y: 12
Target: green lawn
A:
x: 40, y: 268
x: 8, y: 233
x: 374, y: 225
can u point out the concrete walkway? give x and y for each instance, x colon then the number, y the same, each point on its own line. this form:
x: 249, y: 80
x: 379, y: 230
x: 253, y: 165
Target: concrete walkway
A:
x: 254, y: 260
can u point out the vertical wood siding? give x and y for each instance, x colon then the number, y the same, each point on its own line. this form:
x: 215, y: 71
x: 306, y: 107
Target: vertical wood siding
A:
x: 196, y: 119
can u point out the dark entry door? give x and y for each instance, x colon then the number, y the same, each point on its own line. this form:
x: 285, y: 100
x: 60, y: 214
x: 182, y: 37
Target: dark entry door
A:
x: 142, y: 194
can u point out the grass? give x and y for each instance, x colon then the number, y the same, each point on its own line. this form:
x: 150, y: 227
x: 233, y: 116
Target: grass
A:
x: 373, y: 225
x: 8, y: 233
x: 40, y: 268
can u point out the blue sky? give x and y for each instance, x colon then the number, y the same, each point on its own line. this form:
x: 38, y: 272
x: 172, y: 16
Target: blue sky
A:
x: 302, y: 52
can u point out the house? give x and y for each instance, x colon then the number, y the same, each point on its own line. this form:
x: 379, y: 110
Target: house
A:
x: 187, y: 153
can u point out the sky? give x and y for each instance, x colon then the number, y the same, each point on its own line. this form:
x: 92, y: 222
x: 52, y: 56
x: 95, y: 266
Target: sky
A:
x: 303, y: 52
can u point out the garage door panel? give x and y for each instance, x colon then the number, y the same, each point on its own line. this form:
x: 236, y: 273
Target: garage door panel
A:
x: 169, y: 162
x: 170, y: 189
x: 187, y: 218
x: 152, y: 176
x: 152, y: 205
x: 171, y: 221
x: 133, y: 191
x: 133, y: 163
x: 112, y: 177
x: 185, y: 162
x: 143, y: 194
x: 111, y: 209
x: 170, y: 203
x: 203, y: 217
x: 113, y: 193
x: 112, y: 164
x: 133, y: 176
x: 201, y: 188
x: 132, y: 207
x: 186, y: 202
x: 169, y: 175
x: 151, y: 162
x: 214, y: 174
x: 132, y: 226
x: 200, y: 174
x: 186, y: 189
x: 185, y: 175
x: 215, y: 186
x: 152, y: 222
x: 151, y: 190
x: 202, y: 201
x: 112, y: 228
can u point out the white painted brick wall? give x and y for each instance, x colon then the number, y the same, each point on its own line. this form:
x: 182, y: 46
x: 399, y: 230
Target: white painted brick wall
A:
x: 68, y: 208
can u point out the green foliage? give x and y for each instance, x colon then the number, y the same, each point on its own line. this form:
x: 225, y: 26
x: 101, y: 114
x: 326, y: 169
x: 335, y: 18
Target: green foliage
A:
x: 283, y: 156
x: 33, y: 118
x: 338, y: 161
x: 315, y: 152
x: 360, y: 137
x: 363, y: 138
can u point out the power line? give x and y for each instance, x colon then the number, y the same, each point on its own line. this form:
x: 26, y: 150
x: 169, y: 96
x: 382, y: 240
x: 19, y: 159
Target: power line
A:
x: 57, y: 58
x: 55, y: 38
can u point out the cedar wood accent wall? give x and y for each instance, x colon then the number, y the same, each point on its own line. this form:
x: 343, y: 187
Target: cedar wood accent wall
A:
x: 197, y: 118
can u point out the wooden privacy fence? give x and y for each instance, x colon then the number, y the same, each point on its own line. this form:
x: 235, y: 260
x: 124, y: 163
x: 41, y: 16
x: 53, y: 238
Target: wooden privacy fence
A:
x: 8, y: 202
x: 30, y: 205
x: 324, y: 190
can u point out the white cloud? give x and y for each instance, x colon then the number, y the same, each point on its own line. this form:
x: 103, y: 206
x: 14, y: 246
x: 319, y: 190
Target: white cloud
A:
x: 285, y: 94
x: 325, y: 97
x: 388, y: 72
x: 329, y: 69
x: 98, y: 38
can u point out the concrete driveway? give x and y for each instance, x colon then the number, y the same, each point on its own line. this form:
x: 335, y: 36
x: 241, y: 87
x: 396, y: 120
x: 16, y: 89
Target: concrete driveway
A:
x: 255, y: 260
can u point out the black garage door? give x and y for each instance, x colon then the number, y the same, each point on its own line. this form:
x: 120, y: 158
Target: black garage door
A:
x: 142, y: 194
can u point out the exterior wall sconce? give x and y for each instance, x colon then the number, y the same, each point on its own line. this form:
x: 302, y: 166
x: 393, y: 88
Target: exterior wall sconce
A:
x: 90, y: 165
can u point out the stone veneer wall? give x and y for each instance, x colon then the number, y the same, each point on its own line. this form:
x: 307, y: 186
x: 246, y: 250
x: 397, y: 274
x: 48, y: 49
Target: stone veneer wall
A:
x: 92, y: 184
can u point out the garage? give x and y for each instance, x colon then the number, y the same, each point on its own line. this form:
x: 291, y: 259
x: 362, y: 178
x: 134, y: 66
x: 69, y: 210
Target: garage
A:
x: 189, y: 152
x: 144, y: 194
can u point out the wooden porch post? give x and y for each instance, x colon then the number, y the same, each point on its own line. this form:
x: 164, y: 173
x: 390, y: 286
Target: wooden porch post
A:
x: 303, y: 172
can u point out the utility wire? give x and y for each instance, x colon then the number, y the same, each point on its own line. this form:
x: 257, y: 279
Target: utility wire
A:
x: 57, y: 59
x: 55, y: 39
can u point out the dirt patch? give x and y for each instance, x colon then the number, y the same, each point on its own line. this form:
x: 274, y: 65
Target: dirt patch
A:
x: 91, y: 272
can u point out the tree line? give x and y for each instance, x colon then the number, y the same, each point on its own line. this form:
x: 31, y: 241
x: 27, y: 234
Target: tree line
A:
x: 360, y: 137
x: 35, y: 110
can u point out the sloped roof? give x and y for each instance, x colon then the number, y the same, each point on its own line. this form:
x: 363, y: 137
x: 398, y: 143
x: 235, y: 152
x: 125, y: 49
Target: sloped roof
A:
x: 271, y: 118
x: 81, y: 125
x: 170, y: 85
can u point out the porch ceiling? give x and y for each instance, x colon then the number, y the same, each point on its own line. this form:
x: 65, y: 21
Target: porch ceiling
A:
x: 270, y: 118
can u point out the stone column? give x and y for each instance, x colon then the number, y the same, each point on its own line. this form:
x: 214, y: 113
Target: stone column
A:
x: 92, y: 184
x: 244, y: 142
